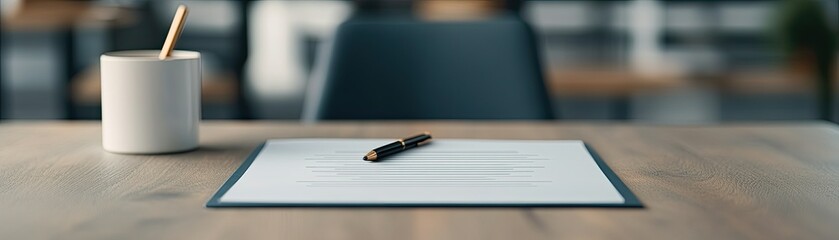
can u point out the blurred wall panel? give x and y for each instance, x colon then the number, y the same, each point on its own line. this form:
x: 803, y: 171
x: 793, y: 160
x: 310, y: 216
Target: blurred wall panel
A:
x: 33, y: 76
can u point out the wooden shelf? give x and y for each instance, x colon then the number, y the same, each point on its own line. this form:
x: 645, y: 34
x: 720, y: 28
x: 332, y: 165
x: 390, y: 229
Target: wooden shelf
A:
x: 215, y: 88
x: 606, y: 82
x: 780, y: 80
x: 59, y: 15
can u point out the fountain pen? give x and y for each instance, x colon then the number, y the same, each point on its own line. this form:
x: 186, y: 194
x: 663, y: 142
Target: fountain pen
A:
x: 398, y: 146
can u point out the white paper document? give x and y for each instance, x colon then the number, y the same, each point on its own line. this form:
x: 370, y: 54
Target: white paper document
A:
x: 445, y: 172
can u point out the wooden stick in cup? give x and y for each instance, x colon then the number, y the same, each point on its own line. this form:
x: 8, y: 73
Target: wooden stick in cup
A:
x: 174, y: 32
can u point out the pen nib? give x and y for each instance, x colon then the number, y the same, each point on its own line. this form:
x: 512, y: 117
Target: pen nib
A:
x: 371, y: 156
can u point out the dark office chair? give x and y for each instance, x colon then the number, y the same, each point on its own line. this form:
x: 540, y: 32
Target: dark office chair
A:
x: 403, y: 68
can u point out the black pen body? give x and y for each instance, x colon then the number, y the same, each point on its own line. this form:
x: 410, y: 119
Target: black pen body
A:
x: 389, y: 149
x: 398, y: 146
x: 417, y: 140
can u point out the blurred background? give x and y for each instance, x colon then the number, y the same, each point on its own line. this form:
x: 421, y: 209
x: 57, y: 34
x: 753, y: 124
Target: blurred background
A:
x: 659, y: 61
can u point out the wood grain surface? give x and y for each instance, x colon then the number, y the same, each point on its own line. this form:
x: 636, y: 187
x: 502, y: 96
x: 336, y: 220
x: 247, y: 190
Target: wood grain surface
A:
x: 742, y: 181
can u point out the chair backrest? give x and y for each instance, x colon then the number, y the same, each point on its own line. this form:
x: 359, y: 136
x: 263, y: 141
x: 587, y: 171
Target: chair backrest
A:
x: 401, y: 68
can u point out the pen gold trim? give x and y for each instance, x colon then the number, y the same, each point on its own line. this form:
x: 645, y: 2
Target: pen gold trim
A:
x: 371, y: 156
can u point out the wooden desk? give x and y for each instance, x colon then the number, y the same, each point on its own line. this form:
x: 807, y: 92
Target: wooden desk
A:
x: 743, y: 181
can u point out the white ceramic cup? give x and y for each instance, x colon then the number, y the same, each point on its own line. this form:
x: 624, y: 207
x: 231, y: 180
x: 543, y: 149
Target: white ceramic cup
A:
x: 150, y: 106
